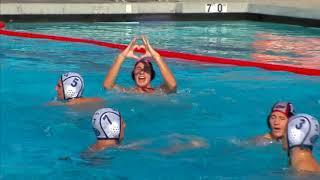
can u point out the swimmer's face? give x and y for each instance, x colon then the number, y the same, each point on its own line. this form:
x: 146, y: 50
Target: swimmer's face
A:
x: 123, y: 127
x: 59, y: 90
x: 142, y: 75
x: 278, y: 122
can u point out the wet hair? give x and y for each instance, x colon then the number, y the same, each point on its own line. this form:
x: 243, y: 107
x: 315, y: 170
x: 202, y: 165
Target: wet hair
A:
x: 147, y: 64
x: 287, y: 109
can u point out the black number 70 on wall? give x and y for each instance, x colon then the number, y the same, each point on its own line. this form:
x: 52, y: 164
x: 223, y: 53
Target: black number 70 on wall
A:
x: 216, y: 8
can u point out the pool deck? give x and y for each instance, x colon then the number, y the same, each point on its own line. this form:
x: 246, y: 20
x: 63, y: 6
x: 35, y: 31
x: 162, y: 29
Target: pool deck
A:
x: 299, y: 9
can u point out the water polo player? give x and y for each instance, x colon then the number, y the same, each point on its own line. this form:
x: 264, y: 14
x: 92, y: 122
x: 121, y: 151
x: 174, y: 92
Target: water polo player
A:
x: 108, y: 127
x: 277, y: 121
x: 300, y: 137
x: 143, y: 72
x: 70, y: 89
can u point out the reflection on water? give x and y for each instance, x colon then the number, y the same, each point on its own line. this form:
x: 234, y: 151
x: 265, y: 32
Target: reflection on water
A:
x: 289, y: 50
x: 262, y: 42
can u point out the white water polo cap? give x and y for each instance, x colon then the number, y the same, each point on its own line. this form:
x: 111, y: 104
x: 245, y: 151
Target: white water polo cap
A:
x: 72, y: 85
x: 106, y: 124
x: 303, y: 130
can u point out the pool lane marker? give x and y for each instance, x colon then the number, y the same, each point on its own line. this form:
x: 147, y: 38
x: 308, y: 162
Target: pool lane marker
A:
x: 168, y: 54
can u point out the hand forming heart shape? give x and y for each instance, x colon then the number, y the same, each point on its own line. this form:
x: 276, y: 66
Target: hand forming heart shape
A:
x: 129, y: 51
x: 139, y: 48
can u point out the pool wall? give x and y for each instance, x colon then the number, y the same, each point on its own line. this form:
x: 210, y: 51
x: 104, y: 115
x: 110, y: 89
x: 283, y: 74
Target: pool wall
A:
x: 291, y: 11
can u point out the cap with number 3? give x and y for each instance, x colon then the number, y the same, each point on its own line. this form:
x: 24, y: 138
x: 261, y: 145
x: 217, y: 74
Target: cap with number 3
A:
x: 303, y: 130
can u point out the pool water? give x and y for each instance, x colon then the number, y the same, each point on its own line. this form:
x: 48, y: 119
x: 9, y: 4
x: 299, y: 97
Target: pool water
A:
x: 225, y: 105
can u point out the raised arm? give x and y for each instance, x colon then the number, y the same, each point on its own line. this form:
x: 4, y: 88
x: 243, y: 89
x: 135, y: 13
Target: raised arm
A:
x: 169, y: 84
x: 109, y: 81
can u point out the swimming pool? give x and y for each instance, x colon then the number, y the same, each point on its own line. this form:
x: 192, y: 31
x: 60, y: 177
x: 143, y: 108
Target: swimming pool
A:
x: 223, y: 104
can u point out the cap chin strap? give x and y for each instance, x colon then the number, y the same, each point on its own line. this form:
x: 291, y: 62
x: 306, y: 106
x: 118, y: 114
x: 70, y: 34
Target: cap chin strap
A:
x: 301, y: 146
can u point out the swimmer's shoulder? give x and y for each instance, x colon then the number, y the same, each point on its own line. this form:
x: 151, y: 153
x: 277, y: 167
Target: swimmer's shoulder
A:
x: 55, y: 103
x: 163, y: 89
x: 156, y: 91
x: 93, y: 99
x: 123, y: 89
x: 76, y: 101
x: 133, y: 90
x: 266, y: 136
x: 84, y: 100
x: 307, y: 167
x: 262, y: 140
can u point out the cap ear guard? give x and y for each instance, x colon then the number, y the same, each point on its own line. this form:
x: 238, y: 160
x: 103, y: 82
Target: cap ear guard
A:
x: 303, y: 131
x: 96, y: 132
x: 114, y: 131
x: 314, y: 138
x: 291, y: 111
x: 70, y: 92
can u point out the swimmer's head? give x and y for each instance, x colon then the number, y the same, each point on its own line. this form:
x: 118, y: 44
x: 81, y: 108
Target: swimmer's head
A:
x: 278, y: 118
x: 143, y: 72
x: 303, y: 131
x: 108, y: 124
x: 70, y: 86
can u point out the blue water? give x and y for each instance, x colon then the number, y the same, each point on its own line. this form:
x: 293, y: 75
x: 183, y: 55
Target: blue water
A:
x: 224, y: 105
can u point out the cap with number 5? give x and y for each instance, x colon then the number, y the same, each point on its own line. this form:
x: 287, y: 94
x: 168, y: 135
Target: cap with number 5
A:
x: 72, y: 85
